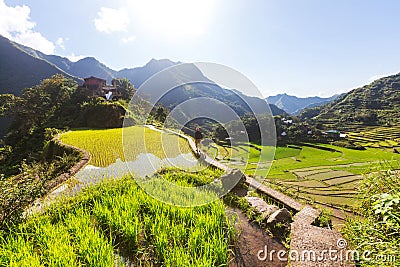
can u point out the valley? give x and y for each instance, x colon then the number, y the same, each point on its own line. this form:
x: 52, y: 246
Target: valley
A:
x: 93, y: 180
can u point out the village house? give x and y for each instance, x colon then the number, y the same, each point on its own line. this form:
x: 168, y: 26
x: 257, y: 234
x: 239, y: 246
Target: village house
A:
x: 99, y: 87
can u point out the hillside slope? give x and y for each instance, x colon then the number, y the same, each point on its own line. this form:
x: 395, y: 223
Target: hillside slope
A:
x: 86, y: 67
x: 19, y: 69
x: 193, y: 84
x: 377, y: 103
x: 139, y: 75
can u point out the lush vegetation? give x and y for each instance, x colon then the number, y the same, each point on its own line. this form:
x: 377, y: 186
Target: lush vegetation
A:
x: 117, y: 221
x: 373, y: 104
x: 323, y: 176
x: 378, y: 230
x: 34, y: 180
x: 318, y: 156
x: 55, y: 103
x: 29, y: 159
x: 298, y: 157
x: 106, y: 146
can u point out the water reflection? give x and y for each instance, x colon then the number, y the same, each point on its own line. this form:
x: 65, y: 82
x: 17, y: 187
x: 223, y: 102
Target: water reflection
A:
x: 145, y: 164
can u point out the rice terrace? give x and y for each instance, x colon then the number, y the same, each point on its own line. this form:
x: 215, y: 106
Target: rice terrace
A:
x: 116, y: 214
x: 100, y: 216
x: 137, y: 161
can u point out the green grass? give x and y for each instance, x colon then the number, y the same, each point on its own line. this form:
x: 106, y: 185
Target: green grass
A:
x: 286, y: 152
x: 327, y: 175
x: 118, y: 217
x: 306, y: 183
x: 105, y: 146
x: 331, y: 168
x: 341, y: 180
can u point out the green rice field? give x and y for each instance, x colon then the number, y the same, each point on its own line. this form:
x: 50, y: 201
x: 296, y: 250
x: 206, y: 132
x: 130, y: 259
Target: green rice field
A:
x: 318, y: 175
x: 116, y: 223
x: 301, y: 171
x: 106, y: 146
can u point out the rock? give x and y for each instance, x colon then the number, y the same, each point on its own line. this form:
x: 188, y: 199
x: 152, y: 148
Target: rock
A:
x: 261, y: 206
x: 232, y: 179
x: 280, y: 216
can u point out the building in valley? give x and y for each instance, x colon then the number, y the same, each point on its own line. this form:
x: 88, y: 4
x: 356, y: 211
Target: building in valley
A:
x: 99, y: 87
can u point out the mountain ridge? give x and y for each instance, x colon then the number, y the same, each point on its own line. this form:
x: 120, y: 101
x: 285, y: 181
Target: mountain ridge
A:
x: 20, y: 69
x: 293, y: 104
x: 23, y: 67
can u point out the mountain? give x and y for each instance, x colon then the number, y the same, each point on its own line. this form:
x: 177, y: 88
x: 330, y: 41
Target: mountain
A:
x: 178, y: 82
x: 90, y: 66
x: 19, y: 69
x: 293, y: 104
x: 140, y: 74
x: 22, y: 66
x: 86, y: 67
x: 377, y: 103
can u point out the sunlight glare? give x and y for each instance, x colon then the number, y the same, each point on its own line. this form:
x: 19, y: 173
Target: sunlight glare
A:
x: 174, y: 18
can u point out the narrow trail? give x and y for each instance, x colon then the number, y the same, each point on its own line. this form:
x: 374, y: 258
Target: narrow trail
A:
x: 252, y: 245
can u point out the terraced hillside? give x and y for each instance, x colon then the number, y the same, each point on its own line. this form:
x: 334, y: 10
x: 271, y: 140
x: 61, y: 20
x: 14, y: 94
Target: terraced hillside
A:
x: 106, y: 146
x: 378, y: 137
x: 375, y: 104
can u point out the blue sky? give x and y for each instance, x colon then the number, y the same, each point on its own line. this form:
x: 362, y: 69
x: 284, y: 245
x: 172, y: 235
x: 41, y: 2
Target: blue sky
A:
x: 300, y: 47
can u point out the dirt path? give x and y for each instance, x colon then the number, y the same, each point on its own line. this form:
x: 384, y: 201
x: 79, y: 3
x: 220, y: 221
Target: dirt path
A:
x: 251, y: 240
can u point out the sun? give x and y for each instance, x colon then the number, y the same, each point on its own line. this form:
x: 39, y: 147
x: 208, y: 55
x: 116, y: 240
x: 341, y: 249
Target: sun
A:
x: 174, y: 18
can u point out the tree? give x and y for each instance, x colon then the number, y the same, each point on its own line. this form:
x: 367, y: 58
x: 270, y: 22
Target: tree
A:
x: 37, y: 105
x: 8, y: 104
x: 160, y: 115
x: 125, y: 87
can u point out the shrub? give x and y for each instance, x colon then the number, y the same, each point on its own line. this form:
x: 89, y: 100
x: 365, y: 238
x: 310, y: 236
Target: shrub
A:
x: 378, y: 230
x: 324, y: 219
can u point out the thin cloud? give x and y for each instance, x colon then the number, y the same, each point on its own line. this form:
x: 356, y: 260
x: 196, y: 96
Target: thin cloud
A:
x: 75, y: 58
x: 129, y: 39
x: 16, y: 25
x: 111, y: 20
x: 60, y: 43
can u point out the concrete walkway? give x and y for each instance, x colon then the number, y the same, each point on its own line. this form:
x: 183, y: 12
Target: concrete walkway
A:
x: 316, y: 246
